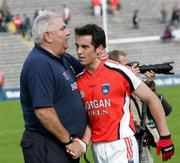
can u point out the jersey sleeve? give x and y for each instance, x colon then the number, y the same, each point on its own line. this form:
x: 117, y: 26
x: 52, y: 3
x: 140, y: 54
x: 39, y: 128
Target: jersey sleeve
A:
x: 132, y: 79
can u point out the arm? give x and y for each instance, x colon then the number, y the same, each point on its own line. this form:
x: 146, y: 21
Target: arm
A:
x: 155, y: 106
x: 50, y: 121
x: 87, y: 135
x: 165, y: 143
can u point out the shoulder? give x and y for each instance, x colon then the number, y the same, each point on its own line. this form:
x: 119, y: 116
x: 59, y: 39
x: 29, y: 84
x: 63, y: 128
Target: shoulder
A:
x: 36, y: 62
x: 123, y: 71
x: 117, y: 67
x: 74, y: 63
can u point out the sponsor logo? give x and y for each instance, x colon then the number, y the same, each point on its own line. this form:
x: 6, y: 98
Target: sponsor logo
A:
x: 105, y: 88
x: 98, y: 112
x: 94, y: 104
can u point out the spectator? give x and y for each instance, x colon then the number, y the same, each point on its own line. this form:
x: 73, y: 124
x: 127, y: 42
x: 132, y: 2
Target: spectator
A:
x: 164, y: 13
x: 107, y: 101
x: 17, y: 20
x: 26, y: 26
x: 96, y: 7
x: 2, y: 97
x: 136, y: 19
x: 53, y: 110
x: 66, y: 14
x: 175, y: 18
x: 167, y: 34
x: 113, y: 7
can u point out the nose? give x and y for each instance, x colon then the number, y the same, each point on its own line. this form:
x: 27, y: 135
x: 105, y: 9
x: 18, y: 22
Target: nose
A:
x: 68, y: 33
x: 79, y: 51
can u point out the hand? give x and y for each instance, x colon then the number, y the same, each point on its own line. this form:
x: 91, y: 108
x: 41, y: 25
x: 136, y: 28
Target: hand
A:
x: 75, y: 149
x: 103, y: 55
x: 135, y: 69
x: 82, y: 143
x: 166, y: 147
x: 150, y: 75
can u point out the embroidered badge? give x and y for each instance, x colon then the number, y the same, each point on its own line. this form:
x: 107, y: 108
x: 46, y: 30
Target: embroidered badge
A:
x: 105, y: 88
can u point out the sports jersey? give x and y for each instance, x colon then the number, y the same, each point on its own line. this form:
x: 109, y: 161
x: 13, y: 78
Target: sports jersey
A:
x: 106, y: 95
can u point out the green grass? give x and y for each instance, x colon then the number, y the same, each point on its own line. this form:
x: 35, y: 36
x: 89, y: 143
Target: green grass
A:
x: 11, y: 127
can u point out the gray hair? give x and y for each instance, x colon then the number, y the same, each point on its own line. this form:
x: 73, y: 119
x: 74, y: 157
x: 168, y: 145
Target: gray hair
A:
x: 41, y: 25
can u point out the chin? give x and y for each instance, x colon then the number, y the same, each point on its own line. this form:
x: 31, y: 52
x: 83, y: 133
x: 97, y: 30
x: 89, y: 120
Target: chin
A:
x: 82, y: 63
x: 66, y: 47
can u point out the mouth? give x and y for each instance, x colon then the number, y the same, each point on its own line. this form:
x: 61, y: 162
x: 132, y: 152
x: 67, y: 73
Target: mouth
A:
x: 81, y: 59
x: 67, y: 39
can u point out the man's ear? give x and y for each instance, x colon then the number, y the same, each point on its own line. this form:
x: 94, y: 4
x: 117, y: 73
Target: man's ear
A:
x: 47, y: 37
x: 99, y: 49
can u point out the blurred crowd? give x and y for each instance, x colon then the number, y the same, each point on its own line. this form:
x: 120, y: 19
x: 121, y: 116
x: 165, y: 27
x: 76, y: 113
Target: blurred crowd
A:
x: 16, y: 24
x: 21, y: 24
x: 113, y: 6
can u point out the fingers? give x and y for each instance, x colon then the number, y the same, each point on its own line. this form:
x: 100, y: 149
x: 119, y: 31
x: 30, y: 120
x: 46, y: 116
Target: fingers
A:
x: 135, y: 69
x: 150, y: 75
x: 75, y: 150
x: 103, y: 55
x: 83, y: 144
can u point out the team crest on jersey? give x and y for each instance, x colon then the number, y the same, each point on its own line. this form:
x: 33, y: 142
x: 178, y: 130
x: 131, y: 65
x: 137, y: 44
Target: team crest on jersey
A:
x: 82, y: 94
x: 66, y: 75
x: 105, y: 88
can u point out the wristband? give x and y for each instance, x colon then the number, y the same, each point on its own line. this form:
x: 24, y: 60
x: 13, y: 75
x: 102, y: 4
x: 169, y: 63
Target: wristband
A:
x: 69, y: 142
x: 165, y: 137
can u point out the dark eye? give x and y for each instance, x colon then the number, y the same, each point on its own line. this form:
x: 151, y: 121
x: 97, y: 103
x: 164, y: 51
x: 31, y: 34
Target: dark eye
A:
x: 85, y: 46
x: 76, y: 45
x: 62, y: 28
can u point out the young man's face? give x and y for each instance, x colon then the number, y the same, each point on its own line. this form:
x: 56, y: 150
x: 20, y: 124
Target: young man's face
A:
x: 85, y: 50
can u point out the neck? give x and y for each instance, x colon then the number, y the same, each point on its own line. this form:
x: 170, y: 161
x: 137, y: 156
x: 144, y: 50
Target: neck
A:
x: 93, y: 66
x: 51, y: 50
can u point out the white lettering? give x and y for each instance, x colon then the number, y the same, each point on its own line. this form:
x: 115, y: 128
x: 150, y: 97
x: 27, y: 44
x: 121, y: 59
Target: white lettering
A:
x: 97, y: 112
x: 94, y: 104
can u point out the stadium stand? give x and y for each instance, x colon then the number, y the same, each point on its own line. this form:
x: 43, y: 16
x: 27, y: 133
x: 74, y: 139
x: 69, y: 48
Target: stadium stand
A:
x: 13, y: 49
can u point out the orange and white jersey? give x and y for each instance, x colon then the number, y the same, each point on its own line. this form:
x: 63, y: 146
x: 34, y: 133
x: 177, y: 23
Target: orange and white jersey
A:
x: 106, y: 95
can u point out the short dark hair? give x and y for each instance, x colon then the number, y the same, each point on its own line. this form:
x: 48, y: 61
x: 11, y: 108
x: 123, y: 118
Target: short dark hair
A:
x: 97, y: 33
x: 114, y: 54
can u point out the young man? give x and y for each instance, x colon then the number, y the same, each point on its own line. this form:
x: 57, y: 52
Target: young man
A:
x: 52, y: 107
x: 150, y: 135
x: 105, y: 87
